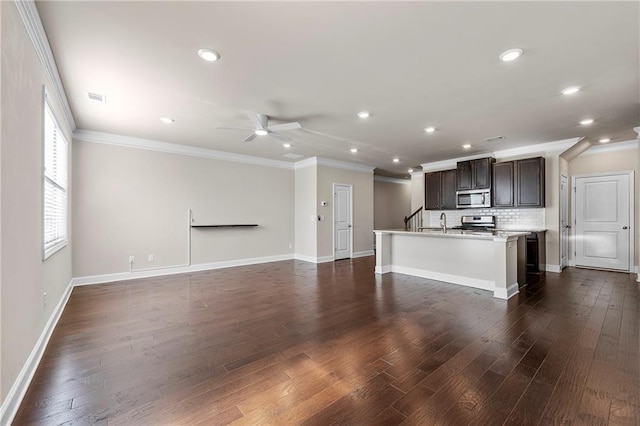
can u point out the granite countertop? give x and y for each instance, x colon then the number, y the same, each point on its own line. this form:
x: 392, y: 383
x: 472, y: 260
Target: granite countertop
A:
x: 521, y: 229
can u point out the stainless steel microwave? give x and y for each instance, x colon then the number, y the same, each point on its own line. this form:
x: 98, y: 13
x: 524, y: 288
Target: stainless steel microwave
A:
x: 473, y: 199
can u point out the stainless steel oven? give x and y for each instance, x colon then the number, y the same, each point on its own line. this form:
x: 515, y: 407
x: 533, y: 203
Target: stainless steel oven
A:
x: 475, y: 198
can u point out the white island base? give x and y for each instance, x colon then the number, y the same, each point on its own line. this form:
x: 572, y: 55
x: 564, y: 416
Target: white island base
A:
x: 480, y: 260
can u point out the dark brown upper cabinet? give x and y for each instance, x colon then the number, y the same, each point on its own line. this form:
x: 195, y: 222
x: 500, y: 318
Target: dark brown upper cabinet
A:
x: 474, y: 174
x: 449, y: 178
x: 503, y: 194
x: 530, y: 182
x: 440, y: 190
x: 519, y: 183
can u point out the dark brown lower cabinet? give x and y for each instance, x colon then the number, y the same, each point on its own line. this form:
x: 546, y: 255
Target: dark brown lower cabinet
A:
x: 536, y: 252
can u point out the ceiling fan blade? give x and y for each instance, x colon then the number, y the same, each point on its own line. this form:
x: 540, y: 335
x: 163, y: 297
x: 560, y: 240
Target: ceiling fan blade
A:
x: 259, y: 121
x: 249, y: 138
x: 282, y: 138
x: 285, y: 126
x: 234, y: 128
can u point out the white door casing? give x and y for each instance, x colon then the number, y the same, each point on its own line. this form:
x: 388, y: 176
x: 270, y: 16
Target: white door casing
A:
x: 342, y: 221
x: 603, y: 226
x: 564, y: 222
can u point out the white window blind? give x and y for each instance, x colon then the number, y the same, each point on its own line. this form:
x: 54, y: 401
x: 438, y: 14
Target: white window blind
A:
x: 55, y: 185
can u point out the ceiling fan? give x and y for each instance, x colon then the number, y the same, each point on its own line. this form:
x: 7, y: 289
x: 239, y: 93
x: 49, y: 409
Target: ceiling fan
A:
x: 262, y: 128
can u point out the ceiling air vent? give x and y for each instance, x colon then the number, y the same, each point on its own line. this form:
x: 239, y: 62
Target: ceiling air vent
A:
x: 494, y: 139
x: 96, y: 97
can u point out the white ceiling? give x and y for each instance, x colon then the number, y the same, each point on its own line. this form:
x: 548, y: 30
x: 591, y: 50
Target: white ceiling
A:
x: 412, y: 65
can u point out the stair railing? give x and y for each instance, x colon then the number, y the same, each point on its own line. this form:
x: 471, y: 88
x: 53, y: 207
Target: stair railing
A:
x: 413, y: 221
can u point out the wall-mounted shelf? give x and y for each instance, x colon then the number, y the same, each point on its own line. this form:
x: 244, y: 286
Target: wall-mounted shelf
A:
x: 240, y: 225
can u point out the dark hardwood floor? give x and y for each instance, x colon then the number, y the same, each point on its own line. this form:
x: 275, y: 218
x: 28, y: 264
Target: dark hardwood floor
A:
x: 296, y: 343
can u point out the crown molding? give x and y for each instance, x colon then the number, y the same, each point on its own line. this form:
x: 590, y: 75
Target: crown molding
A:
x: 31, y: 19
x: 612, y: 147
x: 319, y: 161
x: 391, y: 180
x: 172, y: 148
x: 536, y: 149
x: 419, y: 175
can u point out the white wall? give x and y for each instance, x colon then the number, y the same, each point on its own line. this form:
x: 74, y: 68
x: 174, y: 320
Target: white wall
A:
x: 362, y: 183
x: 134, y: 202
x: 24, y: 276
x: 391, y: 203
x: 417, y: 191
x: 306, y: 232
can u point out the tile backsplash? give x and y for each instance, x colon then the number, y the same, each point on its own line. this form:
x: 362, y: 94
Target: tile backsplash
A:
x: 505, y: 218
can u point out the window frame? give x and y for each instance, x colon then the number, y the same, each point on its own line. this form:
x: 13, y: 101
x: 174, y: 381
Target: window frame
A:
x: 48, y: 109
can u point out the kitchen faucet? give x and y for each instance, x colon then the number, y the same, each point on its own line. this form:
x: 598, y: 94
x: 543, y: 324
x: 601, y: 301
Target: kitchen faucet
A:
x: 443, y: 222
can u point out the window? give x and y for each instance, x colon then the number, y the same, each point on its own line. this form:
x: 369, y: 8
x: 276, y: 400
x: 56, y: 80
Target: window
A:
x: 54, y: 185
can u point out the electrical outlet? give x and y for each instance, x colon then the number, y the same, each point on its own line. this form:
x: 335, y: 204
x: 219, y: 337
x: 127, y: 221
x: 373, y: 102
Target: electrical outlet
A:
x: 132, y: 259
x: 150, y: 258
x: 44, y: 299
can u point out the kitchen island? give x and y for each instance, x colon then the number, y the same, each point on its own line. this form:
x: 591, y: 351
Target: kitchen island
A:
x: 491, y: 261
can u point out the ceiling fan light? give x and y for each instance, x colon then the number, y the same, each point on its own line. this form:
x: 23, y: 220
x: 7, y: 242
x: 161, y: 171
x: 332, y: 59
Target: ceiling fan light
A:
x: 261, y: 132
x: 209, y: 55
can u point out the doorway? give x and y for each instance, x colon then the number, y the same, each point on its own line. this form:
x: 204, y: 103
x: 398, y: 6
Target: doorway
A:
x: 342, y: 221
x: 603, y: 215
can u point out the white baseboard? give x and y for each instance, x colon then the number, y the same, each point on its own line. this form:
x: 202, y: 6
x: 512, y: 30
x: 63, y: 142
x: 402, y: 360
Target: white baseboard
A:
x: 638, y: 277
x: 21, y: 384
x: 383, y: 269
x: 325, y: 259
x: 365, y: 253
x: 552, y: 268
x: 507, y: 293
x: 122, y: 276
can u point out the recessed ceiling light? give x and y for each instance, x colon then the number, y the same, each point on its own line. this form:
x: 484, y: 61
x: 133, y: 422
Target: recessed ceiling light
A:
x: 410, y: 170
x: 570, y: 90
x: 510, y: 55
x: 396, y: 160
x: 167, y: 120
x: 605, y: 140
x: 586, y: 121
x: 354, y: 150
x: 209, y: 55
x: 286, y: 145
x: 466, y: 146
x: 261, y: 132
x: 430, y: 129
x: 364, y: 114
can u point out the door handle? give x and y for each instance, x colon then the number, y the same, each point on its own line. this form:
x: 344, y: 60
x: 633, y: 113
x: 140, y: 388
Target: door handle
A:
x: 625, y: 227
x: 567, y: 226
x: 349, y: 225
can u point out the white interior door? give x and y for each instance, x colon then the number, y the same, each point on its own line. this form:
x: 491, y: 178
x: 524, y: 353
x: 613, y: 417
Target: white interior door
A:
x: 564, y: 222
x: 342, y: 221
x: 602, y: 221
